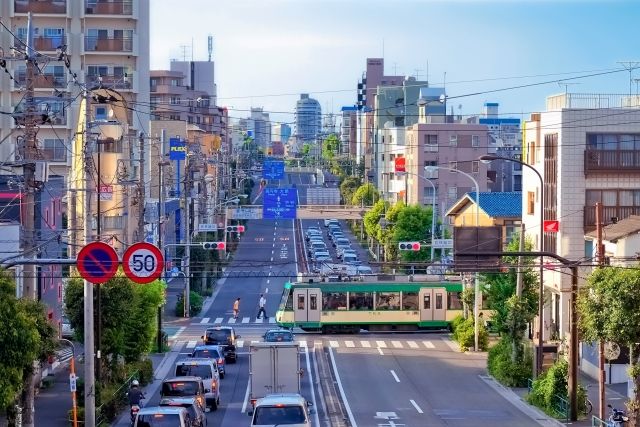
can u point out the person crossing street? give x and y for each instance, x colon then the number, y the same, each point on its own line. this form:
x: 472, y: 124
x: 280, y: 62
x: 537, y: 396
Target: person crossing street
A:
x: 236, y: 308
x: 261, y: 302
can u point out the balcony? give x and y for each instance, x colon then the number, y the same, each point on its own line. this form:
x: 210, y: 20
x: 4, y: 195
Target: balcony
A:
x: 619, y: 212
x: 41, y: 6
x: 42, y: 81
x: 111, y: 81
x: 48, y: 43
x: 108, y: 44
x: 612, y: 161
x: 108, y: 7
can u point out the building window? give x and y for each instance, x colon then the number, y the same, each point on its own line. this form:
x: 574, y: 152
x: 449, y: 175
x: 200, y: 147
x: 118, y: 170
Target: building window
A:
x: 611, y: 142
x: 453, y: 140
x: 452, y: 192
x: 517, y: 183
x: 531, y: 203
x: 475, y: 166
x: 174, y: 100
x: 383, y: 157
x: 531, y: 152
x: 475, y: 141
x: 431, y: 143
x: 175, y: 82
x: 453, y: 166
x: 54, y: 150
x: 174, y: 117
x: 190, y: 119
x: 517, y: 166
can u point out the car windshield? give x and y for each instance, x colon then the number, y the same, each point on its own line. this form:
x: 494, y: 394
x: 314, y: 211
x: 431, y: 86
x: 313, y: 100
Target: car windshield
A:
x: 279, y: 415
x: 187, y: 370
x: 219, y: 336
x: 275, y: 336
x: 190, y: 407
x: 158, y: 420
x: 180, y: 388
x: 206, y: 354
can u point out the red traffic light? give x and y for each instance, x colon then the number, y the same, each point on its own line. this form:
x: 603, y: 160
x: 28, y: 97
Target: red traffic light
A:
x: 221, y: 245
x: 415, y: 246
x: 241, y: 229
x: 409, y: 246
x: 214, y: 246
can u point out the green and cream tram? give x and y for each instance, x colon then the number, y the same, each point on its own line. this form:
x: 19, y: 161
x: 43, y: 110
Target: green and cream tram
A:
x: 375, y: 306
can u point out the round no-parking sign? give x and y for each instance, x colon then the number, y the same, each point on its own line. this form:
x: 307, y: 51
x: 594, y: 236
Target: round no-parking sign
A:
x: 142, y: 262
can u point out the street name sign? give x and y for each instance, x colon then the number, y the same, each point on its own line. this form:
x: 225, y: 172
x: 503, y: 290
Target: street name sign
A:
x: 280, y: 203
x: 97, y: 262
x: 244, y: 213
x: 443, y: 243
x: 207, y: 227
x: 142, y: 262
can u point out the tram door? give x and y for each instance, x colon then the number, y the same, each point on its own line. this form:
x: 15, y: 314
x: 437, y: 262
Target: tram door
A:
x: 433, y: 304
x: 306, y: 305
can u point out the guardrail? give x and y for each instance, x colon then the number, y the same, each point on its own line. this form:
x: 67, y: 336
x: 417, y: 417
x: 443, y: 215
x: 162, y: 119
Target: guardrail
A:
x: 560, y: 405
x: 597, y: 422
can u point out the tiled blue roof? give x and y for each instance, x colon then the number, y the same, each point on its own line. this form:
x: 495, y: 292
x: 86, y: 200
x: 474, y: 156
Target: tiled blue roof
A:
x: 499, y: 204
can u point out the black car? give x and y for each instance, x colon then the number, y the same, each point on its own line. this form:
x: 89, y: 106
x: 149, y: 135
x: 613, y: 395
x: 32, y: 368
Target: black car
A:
x: 225, y: 337
x: 278, y: 335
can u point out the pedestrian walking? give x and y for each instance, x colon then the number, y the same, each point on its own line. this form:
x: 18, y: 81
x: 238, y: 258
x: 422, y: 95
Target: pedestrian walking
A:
x: 261, y: 302
x: 236, y: 308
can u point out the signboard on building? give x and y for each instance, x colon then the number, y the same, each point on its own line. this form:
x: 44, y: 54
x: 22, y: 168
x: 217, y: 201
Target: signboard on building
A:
x: 177, y: 149
x: 551, y: 226
x: 400, y: 164
x: 106, y: 192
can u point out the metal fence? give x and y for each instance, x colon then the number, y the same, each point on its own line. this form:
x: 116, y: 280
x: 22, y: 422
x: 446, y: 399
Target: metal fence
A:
x: 559, y: 406
x: 106, y: 412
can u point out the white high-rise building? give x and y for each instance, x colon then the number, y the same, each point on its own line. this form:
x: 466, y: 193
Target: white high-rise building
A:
x: 308, y: 118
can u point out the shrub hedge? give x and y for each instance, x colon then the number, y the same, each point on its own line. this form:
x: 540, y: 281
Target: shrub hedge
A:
x: 503, y: 369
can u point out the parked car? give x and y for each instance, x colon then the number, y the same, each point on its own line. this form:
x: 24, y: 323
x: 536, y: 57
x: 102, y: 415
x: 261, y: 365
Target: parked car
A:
x: 197, y: 415
x: 208, y: 371
x: 162, y: 416
x: 278, y: 335
x: 67, y: 330
x: 214, y: 352
x: 224, y: 336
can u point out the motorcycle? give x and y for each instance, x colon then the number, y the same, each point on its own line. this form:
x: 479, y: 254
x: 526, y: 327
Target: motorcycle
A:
x: 617, y: 418
x: 134, y: 409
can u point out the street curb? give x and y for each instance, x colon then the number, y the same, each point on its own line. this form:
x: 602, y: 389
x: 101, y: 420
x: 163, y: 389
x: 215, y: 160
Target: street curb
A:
x: 534, y: 413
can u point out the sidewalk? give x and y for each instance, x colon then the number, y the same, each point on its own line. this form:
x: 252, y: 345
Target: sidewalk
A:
x: 53, y: 404
x: 615, y: 395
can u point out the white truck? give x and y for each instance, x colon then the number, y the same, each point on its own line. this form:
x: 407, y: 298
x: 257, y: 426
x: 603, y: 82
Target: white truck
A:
x: 273, y: 368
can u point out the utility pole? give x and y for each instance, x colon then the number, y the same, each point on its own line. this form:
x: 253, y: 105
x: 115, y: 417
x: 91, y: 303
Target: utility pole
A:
x: 29, y: 169
x: 141, y: 191
x: 601, y: 372
x: 187, y: 217
x: 89, y: 374
x: 161, y: 164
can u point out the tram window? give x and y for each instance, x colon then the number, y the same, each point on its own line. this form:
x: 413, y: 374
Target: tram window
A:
x: 454, y: 301
x: 288, y: 305
x: 438, y: 301
x: 313, y: 302
x: 388, y: 301
x: 426, y: 302
x: 360, y: 301
x: 409, y: 300
x: 334, y: 301
x: 301, y: 302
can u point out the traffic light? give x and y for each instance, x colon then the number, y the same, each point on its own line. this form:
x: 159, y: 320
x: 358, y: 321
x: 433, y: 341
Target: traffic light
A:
x: 409, y: 246
x: 221, y: 246
x: 235, y: 228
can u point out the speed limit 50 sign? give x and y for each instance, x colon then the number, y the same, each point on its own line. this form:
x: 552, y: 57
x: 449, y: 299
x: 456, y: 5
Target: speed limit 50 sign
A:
x: 142, y: 262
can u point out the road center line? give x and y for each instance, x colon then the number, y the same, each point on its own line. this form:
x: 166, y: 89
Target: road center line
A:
x: 266, y: 291
x: 380, y: 351
x: 246, y: 398
x: 395, y: 377
x: 415, y: 405
x: 313, y: 392
x: 341, y: 389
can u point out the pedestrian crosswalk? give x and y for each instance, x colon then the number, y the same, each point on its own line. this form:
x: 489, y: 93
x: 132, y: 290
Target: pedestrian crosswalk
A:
x: 336, y: 344
x: 206, y: 321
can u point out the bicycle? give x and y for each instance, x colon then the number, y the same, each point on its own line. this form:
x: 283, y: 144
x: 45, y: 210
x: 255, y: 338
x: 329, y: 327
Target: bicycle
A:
x: 588, y: 405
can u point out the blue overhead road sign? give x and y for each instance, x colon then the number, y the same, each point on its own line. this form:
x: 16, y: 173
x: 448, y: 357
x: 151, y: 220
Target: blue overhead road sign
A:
x: 273, y: 169
x: 280, y: 203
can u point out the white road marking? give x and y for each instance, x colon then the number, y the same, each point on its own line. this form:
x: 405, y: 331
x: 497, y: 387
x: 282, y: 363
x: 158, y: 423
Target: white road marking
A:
x: 272, y: 320
x: 274, y: 245
x: 246, y: 319
x: 191, y: 344
x: 318, y: 344
x: 178, y: 332
x: 381, y: 344
x: 395, y: 377
x: 412, y: 344
x: 271, y: 259
x: 266, y: 291
x: 341, y: 389
x: 396, y: 344
x: 272, y: 251
x: 254, y: 341
x: 268, y: 280
x: 218, y: 320
x: 246, y: 398
x: 349, y: 344
x: 428, y: 344
x: 239, y: 343
x: 380, y: 351
x: 231, y: 320
x: 259, y: 320
x: 205, y: 320
x: 302, y: 343
x: 365, y: 344
x: 313, y: 393
x: 334, y: 344
x: 415, y: 405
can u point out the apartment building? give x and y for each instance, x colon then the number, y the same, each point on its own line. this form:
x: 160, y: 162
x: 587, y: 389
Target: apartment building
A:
x: 308, y: 118
x: 348, y: 131
x: 585, y: 154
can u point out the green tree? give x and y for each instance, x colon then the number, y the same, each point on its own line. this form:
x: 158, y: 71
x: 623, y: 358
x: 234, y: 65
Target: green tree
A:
x: 25, y: 336
x: 608, y: 310
x: 372, y: 218
x: 365, y: 195
x: 348, y: 187
x: 330, y: 147
x: 411, y: 224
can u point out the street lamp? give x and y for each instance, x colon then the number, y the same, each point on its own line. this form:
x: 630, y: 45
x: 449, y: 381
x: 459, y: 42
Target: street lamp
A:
x: 477, y: 300
x: 486, y: 159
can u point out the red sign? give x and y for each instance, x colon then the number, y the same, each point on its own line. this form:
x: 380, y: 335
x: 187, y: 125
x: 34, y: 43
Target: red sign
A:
x: 551, y: 226
x: 400, y: 164
x: 142, y: 262
x: 97, y: 262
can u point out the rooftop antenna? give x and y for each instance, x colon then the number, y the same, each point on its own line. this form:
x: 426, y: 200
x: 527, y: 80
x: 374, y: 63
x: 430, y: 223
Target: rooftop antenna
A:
x: 427, y: 72
x: 629, y: 66
x: 184, y: 48
x: 417, y: 70
x: 566, y: 85
x: 210, y: 46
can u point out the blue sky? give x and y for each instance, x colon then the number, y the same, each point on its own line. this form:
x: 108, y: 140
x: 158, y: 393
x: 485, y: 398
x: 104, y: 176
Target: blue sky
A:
x: 286, y: 47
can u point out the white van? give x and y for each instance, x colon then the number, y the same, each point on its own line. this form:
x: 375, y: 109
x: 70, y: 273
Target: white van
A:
x: 207, y: 369
x: 286, y: 409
